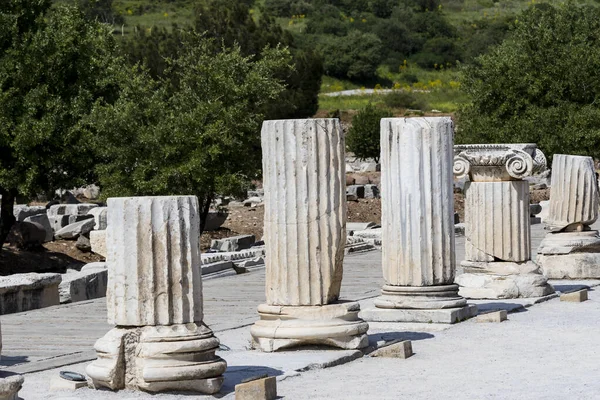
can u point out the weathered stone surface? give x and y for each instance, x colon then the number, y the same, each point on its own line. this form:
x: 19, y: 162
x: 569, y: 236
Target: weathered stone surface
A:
x: 43, y: 221
x: 73, y: 231
x: 84, y: 285
x: 22, y: 211
x: 417, y: 214
x: 234, y: 243
x: 398, y: 349
x: 61, y: 215
x: 494, y: 316
x: 99, y: 214
x: 10, y: 384
x: 98, y: 242
x: 259, y: 389
x: 369, y: 167
x: 575, y: 297
x: 497, y: 221
x: 83, y: 244
x: 58, y: 383
x: 23, y: 292
x: 574, y: 195
x: 305, y: 237
x: 155, y: 290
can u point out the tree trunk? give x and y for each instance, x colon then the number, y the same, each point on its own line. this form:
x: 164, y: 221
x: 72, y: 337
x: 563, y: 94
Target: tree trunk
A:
x: 205, y: 202
x: 7, y: 218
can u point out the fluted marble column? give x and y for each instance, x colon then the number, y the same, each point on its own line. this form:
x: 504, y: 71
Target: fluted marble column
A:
x: 417, y: 221
x: 497, y: 225
x: 154, y: 297
x: 305, y: 215
x: 571, y: 250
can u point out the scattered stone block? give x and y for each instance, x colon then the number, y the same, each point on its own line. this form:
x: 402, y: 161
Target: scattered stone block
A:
x: 91, y: 192
x: 27, y: 235
x: 99, y: 214
x: 58, y: 383
x: 73, y: 231
x: 22, y: 211
x: 253, y: 201
x: 459, y: 229
x: 350, y: 180
x: 370, y: 167
x: 395, y: 349
x: 98, y: 242
x: 83, y: 244
x: 352, y: 227
x: 575, y: 297
x: 258, y: 389
x: 357, y: 191
x: 24, y: 292
x: 234, y: 243
x: 214, y: 220
x: 10, y: 384
x: 371, y: 192
x: 359, y: 180
x: 42, y: 220
x: 84, y: 285
x: 494, y: 316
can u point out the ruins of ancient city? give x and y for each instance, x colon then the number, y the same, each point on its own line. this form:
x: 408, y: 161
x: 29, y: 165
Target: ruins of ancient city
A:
x: 319, y: 307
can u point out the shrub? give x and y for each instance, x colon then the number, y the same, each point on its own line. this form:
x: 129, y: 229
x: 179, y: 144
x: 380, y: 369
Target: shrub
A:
x: 402, y: 99
x: 363, y: 137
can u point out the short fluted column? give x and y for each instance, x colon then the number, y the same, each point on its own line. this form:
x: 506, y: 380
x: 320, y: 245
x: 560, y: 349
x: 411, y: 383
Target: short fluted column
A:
x: 154, y: 297
x: 417, y: 205
x: 497, y: 223
x: 304, y: 229
x: 571, y: 250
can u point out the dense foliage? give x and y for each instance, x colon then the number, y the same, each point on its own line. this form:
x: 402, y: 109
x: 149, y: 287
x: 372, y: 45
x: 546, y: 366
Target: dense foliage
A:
x: 363, y: 138
x: 54, y: 65
x: 541, y: 85
x: 193, y: 131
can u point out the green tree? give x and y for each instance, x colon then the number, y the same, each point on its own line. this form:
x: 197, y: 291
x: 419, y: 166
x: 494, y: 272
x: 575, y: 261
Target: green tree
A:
x: 363, y: 138
x: 195, y: 131
x: 54, y: 64
x: 355, y: 56
x: 541, y: 85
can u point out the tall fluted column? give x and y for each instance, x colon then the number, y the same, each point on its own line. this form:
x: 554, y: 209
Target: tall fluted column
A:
x: 571, y: 250
x: 305, y: 216
x: 154, y: 297
x: 497, y: 225
x: 417, y: 204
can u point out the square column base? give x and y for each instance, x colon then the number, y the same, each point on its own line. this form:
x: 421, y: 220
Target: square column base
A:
x: 335, y: 325
x: 570, y: 266
x: 441, y: 316
x: 502, y: 280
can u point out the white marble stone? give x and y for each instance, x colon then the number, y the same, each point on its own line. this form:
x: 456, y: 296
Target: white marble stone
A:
x: 417, y: 214
x: 10, y: 383
x: 497, y: 221
x: 154, y: 297
x: 571, y: 250
x: 98, y: 242
x: 304, y: 224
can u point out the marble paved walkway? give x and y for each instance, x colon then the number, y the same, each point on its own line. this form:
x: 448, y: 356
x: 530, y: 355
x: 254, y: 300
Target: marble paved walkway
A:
x: 48, y: 338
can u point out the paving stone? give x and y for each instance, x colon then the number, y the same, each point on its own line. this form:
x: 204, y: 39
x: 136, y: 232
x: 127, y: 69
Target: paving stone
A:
x: 259, y: 389
x: 494, y: 316
x: 58, y: 383
x: 575, y: 297
x: 395, y: 349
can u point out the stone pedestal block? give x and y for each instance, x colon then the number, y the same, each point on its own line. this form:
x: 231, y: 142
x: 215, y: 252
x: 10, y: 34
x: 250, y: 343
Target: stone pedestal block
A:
x: 497, y: 221
x: 417, y: 216
x: 571, y: 250
x: 154, y: 298
x: 304, y: 225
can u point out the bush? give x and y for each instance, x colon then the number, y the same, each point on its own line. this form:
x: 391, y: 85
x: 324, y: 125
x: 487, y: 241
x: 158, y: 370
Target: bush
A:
x: 540, y: 85
x: 363, y: 138
x: 355, y: 56
x: 401, y: 99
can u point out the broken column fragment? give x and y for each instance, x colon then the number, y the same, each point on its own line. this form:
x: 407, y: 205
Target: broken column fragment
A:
x: 154, y: 297
x: 571, y: 250
x: 497, y: 222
